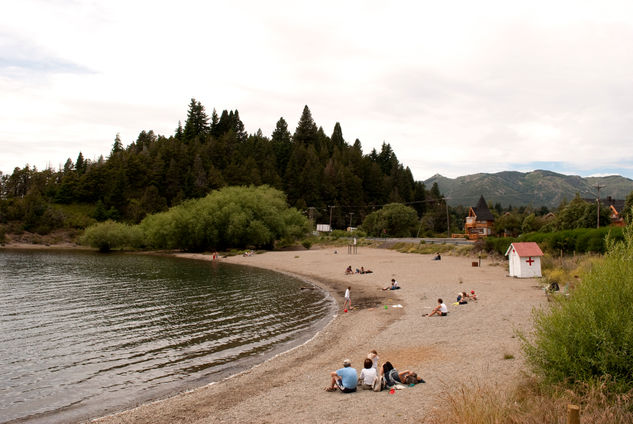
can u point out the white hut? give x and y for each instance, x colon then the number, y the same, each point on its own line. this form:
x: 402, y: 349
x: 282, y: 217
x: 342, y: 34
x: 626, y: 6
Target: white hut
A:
x: 525, y: 259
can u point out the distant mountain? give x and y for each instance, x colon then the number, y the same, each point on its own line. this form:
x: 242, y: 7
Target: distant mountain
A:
x: 536, y: 188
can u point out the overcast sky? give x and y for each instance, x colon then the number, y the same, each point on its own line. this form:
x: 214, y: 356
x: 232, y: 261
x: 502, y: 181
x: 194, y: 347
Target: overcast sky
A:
x: 455, y: 87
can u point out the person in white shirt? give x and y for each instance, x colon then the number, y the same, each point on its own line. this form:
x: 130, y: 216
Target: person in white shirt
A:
x: 348, y: 299
x: 440, y: 310
x: 367, y: 375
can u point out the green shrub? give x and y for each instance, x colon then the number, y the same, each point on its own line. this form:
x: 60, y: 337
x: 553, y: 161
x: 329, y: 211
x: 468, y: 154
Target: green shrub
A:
x: 590, y: 335
x: 109, y: 235
x: 307, y: 244
x: 232, y: 217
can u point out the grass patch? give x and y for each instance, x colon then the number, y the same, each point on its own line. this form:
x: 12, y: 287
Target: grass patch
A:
x: 531, y: 403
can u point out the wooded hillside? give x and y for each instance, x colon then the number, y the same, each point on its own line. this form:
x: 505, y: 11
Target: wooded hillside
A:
x: 155, y: 172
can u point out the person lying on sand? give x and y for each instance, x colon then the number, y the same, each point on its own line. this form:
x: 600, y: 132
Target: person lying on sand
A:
x: 440, y: 310
x: 462, y: 298
x: 367, y: 375
x: 393, y: 377
x: 394, y: 285
x: 343, y: 379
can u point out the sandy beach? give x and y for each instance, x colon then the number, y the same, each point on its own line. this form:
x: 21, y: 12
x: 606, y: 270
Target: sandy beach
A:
x: 469, y: 344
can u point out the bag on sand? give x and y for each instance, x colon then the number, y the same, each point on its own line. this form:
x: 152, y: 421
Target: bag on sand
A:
x: 378, y: 384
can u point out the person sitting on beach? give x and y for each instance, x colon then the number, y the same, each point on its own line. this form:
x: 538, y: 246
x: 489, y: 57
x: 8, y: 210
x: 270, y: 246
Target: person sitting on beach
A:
x: 473, y: 296
x: 367, y: 375
x: 394, y: 285
x: 393, y: 377
x: 462, y: 298
x: 373, y: 355
x: 344, y: 379
x: 349, y: 270
x: 437, y: 257
x: 440, y: 310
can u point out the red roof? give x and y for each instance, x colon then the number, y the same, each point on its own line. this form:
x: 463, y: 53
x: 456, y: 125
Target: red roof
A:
x: 529, y: 248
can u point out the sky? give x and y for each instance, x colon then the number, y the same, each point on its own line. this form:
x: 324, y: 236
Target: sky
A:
x: 455, y: 87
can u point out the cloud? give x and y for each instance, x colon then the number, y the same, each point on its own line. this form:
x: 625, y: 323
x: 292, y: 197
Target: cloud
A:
x: 455, y: 88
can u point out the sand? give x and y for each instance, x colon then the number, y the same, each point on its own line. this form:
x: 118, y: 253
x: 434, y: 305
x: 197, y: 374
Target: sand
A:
x: 472, y: 343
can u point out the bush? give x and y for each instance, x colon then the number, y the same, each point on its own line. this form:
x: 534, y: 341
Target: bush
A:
x: 590, y: 335
x: 393, y: 220
x: 307, y: 244
x: 109, y: 235
x: 232, y: 217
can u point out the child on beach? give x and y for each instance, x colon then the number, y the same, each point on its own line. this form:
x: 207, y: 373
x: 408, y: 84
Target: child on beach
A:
x: 349, y: 271
x: 348, y: 300
x: 440, y: 310
x: 394, y: 285
x: 373, y: 355
x: 367, y: 375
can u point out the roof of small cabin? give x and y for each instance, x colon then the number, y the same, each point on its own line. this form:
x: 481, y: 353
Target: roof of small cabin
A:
x: 482, y: 212
x: 526, y: 248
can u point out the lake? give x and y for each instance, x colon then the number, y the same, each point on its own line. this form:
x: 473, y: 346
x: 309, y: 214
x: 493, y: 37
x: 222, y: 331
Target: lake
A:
x: 84, y: 334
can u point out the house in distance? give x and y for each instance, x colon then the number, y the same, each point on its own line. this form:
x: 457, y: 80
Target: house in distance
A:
x: 479, y: 221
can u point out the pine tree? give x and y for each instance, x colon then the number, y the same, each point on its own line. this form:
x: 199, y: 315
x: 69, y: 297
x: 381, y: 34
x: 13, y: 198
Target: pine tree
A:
x: 197, y: 123
x: 80, y: 164
x: 306, y: 133
x: 117, y: 146
x: 337, y: 136
x: 281, y: 145
x: 214, y: 124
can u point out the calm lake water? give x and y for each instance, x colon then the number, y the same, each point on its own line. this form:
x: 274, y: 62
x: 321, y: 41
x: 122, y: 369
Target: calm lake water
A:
x: 85, y: 334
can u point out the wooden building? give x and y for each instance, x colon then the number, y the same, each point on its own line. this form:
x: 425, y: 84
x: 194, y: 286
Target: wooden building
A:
x: 524, y: 259
x: 479, y: 221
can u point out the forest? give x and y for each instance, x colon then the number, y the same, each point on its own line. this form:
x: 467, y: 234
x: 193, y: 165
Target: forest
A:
x: 321, y: 175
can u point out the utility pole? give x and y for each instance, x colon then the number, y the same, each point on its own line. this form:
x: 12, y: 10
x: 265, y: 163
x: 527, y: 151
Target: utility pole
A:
x: 598, y: 187
x: 350, y: 219
x: 448, y: 224
x: 331, y: 208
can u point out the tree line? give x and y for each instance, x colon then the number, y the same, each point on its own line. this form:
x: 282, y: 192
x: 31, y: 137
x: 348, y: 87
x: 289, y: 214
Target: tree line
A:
x: 156, y: 172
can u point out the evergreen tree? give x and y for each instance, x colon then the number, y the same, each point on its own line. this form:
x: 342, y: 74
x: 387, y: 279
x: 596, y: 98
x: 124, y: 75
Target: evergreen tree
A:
x: 281, y: 145
x: 337, y: 136
x: 118, y: 145
x: 306, y: 133
x: 197, y: 123
x: 179, y: 132
x: 80, y: 164
x: 214, y: 124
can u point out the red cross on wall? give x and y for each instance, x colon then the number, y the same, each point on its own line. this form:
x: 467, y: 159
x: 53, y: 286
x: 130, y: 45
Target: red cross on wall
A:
x: 529, y: 260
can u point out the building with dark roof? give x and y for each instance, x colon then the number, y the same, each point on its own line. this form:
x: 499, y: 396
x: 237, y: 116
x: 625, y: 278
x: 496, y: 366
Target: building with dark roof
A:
x: 479, y: 221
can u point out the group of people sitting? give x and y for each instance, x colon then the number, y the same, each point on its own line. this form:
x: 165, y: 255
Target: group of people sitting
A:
x: 462, y: 298
x: 347, y: 380
x: 362, y: 270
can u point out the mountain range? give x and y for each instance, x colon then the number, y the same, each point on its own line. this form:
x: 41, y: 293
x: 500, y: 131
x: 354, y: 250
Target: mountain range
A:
x: 537, y: 188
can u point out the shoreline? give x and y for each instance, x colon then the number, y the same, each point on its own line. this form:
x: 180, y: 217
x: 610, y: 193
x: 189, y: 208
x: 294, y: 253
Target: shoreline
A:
x: 288, y: 387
